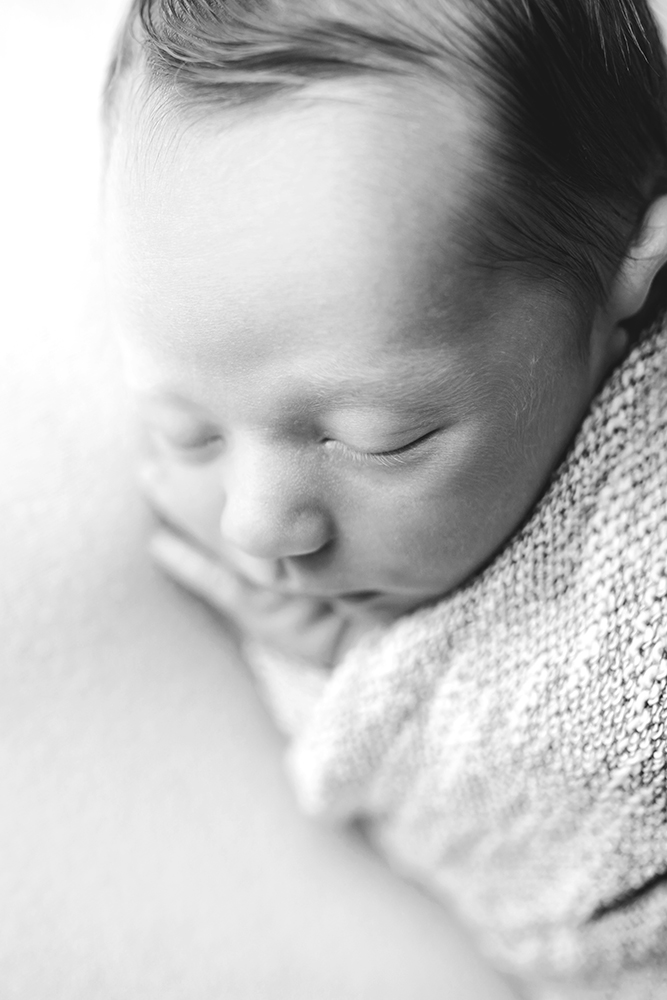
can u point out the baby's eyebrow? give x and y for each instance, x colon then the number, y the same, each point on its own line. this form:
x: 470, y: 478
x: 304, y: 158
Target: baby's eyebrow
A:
x: 170, y: 398
x: 416, y: 395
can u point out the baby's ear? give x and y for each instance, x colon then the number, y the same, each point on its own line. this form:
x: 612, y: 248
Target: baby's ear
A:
x: 646, y: 256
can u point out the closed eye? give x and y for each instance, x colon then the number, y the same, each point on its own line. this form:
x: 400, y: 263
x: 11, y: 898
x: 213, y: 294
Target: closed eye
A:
x: 406, y: 447
x: 191, y: 446
x: 389, y: 457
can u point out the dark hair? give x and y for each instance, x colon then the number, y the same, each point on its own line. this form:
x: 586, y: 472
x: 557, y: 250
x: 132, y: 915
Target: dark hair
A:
x: 574, y: 91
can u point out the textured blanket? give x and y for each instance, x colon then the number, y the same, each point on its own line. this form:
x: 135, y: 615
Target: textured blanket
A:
x: 507, y: 746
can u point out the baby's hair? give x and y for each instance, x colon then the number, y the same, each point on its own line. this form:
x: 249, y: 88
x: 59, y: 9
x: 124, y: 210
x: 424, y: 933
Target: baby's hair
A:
x: 574, y: 93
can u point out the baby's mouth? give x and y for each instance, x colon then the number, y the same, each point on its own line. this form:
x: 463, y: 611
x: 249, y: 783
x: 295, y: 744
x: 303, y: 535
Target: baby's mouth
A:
x: 346, y: 599
x: 358, y: 597
x: 273, y: 575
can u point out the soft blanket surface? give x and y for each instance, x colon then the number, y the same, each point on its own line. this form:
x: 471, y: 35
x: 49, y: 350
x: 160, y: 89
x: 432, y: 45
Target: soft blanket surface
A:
x: 507, y: 746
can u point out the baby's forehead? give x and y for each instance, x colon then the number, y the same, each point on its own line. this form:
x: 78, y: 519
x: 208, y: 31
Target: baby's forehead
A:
x: 311, y: 223
x: 387, y: 132
x: 323, y: 196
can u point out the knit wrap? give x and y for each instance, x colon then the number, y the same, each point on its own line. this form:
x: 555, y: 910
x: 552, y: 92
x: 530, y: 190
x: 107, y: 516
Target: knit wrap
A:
x: 507, y: 745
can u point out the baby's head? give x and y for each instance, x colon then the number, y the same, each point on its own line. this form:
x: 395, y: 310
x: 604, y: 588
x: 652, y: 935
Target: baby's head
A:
x: 371, y: 260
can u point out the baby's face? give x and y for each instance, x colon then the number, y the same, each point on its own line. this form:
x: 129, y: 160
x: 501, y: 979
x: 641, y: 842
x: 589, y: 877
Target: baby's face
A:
x: 351, y: 416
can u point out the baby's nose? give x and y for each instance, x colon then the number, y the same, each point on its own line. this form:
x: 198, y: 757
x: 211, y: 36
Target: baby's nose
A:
x: 272, y: 510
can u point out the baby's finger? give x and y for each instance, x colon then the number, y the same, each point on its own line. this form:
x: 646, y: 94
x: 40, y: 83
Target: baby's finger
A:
x: 196, y: 571
x: 210, y: 579
x: 299, y: 625
x: 155, y: 495
x: 160, y: 495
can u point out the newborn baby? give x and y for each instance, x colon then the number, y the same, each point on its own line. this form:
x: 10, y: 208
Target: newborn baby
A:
x: 370, y: 265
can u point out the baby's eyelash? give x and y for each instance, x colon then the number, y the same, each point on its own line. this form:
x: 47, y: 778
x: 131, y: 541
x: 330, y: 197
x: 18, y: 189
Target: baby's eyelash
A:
x: 204, y: 441
x: 393, y: 457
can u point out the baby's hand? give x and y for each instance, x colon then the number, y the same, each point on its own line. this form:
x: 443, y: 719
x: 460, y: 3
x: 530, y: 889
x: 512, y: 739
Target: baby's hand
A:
x: 188, y: 548
x: 300, y: 627
x: 185, y: 497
